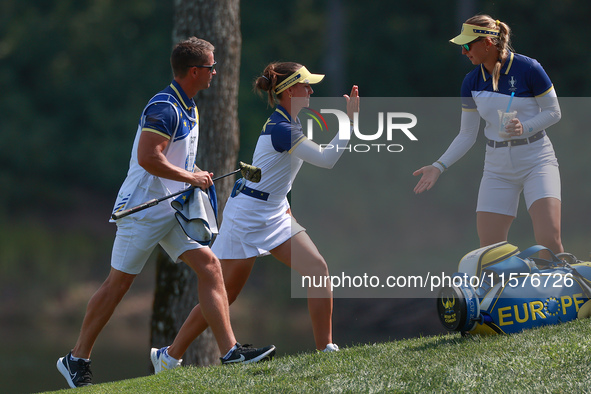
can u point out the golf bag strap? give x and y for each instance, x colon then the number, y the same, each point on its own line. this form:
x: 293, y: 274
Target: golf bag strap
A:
x: 535, y: 249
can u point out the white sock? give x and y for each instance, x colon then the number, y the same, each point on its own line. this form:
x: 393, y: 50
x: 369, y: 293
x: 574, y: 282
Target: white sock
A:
x: 79, y: 358
x: 230, y: 352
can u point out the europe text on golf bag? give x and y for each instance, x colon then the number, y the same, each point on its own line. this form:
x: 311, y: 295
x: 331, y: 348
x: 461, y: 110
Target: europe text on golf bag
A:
x: 501, y: 290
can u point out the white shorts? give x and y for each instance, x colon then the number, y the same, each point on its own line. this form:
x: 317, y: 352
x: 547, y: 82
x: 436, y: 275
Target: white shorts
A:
x: 531, y: 168
x: 136, y: 239
x: 252, y: 227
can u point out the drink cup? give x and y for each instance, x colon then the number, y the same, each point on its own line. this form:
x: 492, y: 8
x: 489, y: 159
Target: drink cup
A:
x: 505, y: 117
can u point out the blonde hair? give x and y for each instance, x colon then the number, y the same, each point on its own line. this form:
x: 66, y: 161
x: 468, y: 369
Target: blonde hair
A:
x: 502, y: 42
x: 273, y: 75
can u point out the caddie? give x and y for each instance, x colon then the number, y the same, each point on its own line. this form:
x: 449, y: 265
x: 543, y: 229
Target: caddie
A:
x: 162, y: 162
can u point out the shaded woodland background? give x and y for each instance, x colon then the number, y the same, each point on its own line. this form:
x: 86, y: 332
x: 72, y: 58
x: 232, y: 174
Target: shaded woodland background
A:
x: 74, y: 76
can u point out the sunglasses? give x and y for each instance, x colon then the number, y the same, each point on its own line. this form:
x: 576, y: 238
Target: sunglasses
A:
x: 468, y: 46
x: 211, y: 68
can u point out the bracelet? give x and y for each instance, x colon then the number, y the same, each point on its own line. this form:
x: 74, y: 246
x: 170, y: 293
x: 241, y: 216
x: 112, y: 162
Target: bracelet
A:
x: 442, y: 165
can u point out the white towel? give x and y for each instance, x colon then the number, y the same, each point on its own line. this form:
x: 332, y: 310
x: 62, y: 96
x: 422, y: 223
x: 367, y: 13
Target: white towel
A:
x: 196, y: 212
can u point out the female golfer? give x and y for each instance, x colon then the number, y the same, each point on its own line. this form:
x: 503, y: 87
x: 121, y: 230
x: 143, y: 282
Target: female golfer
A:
x: 257, y: 219
x: 520, y: 155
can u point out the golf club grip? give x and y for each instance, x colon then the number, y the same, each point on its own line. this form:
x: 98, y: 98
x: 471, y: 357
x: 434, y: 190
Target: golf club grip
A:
x: 141, y: 207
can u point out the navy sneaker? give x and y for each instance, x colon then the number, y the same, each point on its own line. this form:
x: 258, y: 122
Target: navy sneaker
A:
x: 246, y: 354
x: 77, y: 373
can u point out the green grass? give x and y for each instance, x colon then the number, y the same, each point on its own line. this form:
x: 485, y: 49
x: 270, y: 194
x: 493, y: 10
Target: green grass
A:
x: 554, y: 359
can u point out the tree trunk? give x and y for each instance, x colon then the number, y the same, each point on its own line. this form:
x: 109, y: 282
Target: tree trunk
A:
x: 335, y: 57
x: 217, y: 21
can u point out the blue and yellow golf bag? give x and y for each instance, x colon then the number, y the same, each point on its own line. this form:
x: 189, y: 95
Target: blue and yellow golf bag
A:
x: 500, y: 290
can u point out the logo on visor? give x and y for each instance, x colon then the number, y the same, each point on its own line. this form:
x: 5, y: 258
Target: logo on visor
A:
x: 288, y: 82
x: 481, y: 31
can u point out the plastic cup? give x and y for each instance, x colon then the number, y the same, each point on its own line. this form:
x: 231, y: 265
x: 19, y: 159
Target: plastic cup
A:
x: 504, y: 118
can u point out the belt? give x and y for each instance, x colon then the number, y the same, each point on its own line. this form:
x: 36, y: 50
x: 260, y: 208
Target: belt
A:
x: 255, y: 193
x: 522, y: 141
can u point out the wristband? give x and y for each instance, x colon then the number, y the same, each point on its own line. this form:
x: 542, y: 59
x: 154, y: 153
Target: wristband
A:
x: 439, y: 164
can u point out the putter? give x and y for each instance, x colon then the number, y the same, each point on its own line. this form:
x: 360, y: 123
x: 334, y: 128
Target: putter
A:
x: 249, y: 172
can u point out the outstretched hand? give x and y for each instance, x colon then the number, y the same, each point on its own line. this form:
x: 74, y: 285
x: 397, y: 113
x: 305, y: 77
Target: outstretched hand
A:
x: 352, y: 102
x: 430, y: 174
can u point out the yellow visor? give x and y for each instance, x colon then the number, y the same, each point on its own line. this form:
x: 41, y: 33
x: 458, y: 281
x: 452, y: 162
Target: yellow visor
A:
x: 471, y: 32
x: 300, y: 76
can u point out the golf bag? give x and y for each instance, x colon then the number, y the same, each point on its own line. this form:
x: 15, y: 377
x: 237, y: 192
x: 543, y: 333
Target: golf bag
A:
x: 499, y: 290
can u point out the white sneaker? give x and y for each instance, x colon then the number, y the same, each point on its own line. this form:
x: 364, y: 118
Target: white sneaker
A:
x: 331, y: 347
x: 162, y: 361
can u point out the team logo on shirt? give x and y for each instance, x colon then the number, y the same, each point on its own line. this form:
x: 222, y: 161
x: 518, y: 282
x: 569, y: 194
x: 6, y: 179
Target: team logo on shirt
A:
x: 512, y: 83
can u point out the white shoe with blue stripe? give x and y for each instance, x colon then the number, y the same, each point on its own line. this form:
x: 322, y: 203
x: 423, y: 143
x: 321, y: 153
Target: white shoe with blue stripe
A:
x: 162, y: 361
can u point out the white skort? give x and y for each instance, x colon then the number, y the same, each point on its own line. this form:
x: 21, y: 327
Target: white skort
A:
x: 252, y: 227
x: 508, y: 171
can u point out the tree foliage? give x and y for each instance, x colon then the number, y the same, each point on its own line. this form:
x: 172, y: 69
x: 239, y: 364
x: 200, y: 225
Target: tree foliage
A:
x: 74, y: 74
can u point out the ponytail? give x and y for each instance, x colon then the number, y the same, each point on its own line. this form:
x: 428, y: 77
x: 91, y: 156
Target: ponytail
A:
x: 503, y: 45
x: 502, y: 42
x: 273, y: 75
